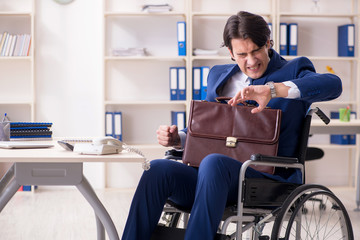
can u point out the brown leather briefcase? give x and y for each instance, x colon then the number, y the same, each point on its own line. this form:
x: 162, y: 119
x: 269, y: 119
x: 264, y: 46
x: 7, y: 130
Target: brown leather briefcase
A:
x: 232, y: 131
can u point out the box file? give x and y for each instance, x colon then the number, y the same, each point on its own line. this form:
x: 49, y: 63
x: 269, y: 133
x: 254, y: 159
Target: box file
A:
x: 346, y: 40
x: 351, y: 139
x: 173, y: 83
x: 177, y: 80
x: 204, y: 76
x: 181, y: 37
x: 178, y: 119
x: 118, y: 125
x: 181, y: 77
x: 292, y: 39
x: 109, y: 123
x: 113, y: 124
x: 196, y: 83
x: 283, y: 39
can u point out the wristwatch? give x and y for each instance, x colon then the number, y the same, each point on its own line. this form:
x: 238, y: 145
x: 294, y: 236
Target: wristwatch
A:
x: 272, y: 89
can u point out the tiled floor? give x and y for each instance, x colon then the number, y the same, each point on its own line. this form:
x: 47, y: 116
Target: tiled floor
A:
x: 63, y: 213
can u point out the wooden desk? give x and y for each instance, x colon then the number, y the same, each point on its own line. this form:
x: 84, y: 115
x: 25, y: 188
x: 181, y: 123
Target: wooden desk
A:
x: 56, y: 166
x: 337, y: 127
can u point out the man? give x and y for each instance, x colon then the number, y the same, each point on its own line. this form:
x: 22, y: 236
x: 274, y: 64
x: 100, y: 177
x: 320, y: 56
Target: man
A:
x: 260, y: 74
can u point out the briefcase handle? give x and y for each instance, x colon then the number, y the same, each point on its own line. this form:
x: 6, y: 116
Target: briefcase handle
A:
x: 225, y: 99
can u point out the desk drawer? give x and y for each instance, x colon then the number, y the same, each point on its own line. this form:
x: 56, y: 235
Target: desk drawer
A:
x: 48, y: 173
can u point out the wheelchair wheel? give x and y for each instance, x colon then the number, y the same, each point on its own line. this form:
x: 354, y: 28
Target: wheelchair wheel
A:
x: 328, y: 221
x: 288, y: 207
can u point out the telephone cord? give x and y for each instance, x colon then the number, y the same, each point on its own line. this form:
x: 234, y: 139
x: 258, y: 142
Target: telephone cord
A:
x: 146, y: 163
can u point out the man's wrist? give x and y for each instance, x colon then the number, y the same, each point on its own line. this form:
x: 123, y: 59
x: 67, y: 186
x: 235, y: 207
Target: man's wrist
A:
x: 281, y: 90
x: 272, y: 89
x: 182, y: 139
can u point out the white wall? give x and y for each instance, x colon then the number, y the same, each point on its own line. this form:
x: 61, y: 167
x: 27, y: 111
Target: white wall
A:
x: 68, y: 65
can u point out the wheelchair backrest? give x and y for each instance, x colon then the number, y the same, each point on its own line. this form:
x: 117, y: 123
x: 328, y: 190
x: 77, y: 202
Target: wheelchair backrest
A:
x: 304, y: 138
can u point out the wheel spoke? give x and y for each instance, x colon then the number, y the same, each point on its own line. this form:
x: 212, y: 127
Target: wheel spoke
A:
x: 316, y: 215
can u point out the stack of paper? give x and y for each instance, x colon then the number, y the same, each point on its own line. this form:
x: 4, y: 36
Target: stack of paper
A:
x: 151, y: 8
x: 123, y: 52
x: 204, y: 52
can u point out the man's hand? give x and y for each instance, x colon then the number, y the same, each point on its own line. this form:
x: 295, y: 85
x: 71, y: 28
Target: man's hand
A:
x: 259, y: 93
x: 168, y: 136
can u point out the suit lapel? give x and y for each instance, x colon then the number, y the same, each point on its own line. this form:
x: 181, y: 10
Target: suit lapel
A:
x: 226, y: 75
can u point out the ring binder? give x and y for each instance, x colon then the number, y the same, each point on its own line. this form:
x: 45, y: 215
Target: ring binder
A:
x: 181, y: 37
x: 346, y: 40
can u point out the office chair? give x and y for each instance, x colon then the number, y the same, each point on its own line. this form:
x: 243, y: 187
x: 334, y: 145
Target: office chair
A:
x: 270, y: 209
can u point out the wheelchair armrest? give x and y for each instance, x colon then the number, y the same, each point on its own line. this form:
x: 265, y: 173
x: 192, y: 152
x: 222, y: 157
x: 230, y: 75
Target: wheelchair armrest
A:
x: 273, y: 159
x: 175, y: 154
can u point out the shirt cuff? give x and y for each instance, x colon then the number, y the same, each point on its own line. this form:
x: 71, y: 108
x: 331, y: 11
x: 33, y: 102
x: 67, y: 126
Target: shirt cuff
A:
x: 182, y: 139
x: 293, y: 91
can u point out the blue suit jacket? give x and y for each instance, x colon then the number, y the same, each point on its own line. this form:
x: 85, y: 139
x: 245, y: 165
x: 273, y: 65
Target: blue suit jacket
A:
x: 313, y: 87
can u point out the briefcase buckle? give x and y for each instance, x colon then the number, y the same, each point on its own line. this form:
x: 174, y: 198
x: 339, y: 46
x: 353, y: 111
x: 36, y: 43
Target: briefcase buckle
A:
x: 231, y: 142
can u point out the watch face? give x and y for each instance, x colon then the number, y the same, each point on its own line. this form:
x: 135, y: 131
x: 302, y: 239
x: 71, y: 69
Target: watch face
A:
x: 63, y: 1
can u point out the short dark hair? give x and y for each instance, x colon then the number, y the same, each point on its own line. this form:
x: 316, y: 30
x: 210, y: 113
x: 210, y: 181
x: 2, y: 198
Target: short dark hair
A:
x: 246, y: 25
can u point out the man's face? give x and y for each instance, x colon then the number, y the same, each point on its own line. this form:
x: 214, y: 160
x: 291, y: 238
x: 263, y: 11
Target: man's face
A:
x: 252, y: 59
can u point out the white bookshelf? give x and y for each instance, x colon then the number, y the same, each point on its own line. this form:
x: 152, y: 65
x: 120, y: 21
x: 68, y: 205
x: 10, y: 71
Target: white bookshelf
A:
x: 139, y: 86
x: 17, y: 92
x: 317, y: 39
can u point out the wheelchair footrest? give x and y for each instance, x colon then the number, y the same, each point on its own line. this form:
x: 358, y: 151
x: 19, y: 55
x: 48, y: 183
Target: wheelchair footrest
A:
x: 260, y: 192
x: 162, y: 233
x: 264, y: 238
x: 166, y: 233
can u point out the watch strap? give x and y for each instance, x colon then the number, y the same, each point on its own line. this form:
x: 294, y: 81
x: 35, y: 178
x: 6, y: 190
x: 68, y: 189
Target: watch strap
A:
x: 272, y: 89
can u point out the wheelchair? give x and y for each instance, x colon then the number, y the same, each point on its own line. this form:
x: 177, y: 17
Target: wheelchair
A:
x: 267, y: 209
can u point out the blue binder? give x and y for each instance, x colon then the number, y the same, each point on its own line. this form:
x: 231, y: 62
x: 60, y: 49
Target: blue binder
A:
x: 178, y: 119
x: 196, y: 82
x: 109, y: 123
x: 351, y: 139
x: 293, y: 38
x: 181, y: 38
x: 181, y: 77
x: 204, y: 76
x: 118, y: 125
x: 173, y: 83
x: 346, y: 40
x: 27, y: 188
x: 283, y: 39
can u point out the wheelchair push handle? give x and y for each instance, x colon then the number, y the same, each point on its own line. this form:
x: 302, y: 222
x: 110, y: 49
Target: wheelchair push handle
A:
x: 320, y: 114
